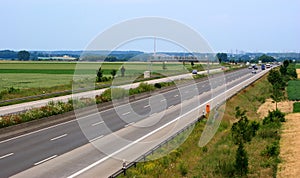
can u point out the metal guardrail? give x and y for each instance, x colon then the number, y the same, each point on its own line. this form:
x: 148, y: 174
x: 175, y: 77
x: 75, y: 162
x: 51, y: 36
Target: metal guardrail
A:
x: 151, y: 151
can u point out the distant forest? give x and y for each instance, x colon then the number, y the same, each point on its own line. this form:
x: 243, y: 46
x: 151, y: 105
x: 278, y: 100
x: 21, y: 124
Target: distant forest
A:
x: 114, y: 56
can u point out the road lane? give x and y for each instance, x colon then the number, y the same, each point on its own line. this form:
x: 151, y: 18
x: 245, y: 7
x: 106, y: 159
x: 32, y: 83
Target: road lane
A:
x: 38, y: 143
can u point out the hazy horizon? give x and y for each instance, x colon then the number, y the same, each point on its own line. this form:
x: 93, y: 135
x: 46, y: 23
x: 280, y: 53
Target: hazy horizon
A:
x: 249, y: 26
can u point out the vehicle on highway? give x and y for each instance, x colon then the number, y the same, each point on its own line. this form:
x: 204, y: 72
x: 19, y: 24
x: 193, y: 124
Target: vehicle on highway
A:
x: 263, y: 67
x: 253, y: 72
x: 268, y: 65
x: 250, y: 67
x: 194, y: 72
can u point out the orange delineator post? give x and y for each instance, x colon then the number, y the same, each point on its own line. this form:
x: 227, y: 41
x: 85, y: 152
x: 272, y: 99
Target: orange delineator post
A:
x: 207, y: 109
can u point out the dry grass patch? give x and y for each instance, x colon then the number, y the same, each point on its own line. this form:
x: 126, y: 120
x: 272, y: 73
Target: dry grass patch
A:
x: 298, y: 72
x: 269, y: 105
x: 290, y: 147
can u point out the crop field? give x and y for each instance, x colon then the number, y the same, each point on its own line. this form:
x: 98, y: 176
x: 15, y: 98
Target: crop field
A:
x: 293, y: 90
x: 26, y: 75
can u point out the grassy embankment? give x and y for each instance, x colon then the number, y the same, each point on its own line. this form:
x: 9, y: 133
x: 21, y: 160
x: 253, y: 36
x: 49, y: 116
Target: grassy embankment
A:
x: 217, y: 158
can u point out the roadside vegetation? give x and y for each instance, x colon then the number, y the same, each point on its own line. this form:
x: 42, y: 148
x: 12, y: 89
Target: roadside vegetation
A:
x: 244, y: 145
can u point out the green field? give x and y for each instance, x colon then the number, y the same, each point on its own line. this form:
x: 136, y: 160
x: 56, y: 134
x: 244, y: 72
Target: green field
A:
x: 35, y: 78
x: 24, y: 75
x: 297, y: 66
x: 293, y: 90
x: 296, y: 107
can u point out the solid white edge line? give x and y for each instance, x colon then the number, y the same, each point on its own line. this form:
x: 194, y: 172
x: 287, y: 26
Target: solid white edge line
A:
x: 163, y: 100
x: 44, y: 160
x: 147, y: 135
x: 7, y: 155
x: 58, y: 137
x: 97, y: 123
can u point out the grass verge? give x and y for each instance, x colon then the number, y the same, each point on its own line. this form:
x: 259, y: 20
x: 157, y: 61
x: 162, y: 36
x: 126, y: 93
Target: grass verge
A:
x: 217, y: 158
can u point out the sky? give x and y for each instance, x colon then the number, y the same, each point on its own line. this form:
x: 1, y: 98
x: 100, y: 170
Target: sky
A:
x: 227, y: 25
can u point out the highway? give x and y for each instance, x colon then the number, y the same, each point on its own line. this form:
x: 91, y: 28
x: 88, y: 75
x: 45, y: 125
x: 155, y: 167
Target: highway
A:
x: 63, y: 150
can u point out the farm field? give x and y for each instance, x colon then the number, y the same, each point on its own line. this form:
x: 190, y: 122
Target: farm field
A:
x: 293, y: 90
x: 22, y: 79
x: 24, y: 75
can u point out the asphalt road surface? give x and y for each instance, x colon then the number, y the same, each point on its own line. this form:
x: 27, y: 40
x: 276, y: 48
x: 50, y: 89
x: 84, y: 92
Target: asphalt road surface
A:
x: 28, y: 152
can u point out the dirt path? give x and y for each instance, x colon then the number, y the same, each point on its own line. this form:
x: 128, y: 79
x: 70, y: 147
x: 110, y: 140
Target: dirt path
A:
x: 290, y: 147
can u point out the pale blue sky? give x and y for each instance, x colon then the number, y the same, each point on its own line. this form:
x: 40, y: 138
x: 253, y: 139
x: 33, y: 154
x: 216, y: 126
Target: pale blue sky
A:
x: 249, y: 25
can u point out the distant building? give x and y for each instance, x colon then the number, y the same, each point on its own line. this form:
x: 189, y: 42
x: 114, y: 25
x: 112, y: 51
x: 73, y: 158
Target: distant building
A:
x: 57, y: 58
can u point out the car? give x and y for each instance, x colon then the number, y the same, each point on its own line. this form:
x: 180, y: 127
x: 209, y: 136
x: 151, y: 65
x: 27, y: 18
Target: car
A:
x: 194, y: 72
x: 250, y: 67
x: 253, y: 72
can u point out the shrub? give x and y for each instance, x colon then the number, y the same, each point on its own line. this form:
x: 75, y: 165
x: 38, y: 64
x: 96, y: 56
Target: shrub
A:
x: 197, y: 76
x: 183, y: 168
x: 271, y: 150
x: 157, y: 85
x: 143, y: 87
x: 275, y: 116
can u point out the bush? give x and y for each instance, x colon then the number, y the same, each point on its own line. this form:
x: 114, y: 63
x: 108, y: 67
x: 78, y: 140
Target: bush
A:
x: 157, y: 85
x: 143, y: 87
x: 183, y: 168
x: 197, y: 76
x: 275, y: 116
x: 296, y: 107
x: 271, y: 150
x: 110, y: 94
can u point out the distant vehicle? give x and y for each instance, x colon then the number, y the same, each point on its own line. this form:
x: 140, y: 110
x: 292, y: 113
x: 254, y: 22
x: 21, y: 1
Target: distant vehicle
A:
x: 194, y: 72
x: 268, y: 65
x: 263, y: 67
x: 253, y: 72
x: 250, y: 67
x: 255, y: 67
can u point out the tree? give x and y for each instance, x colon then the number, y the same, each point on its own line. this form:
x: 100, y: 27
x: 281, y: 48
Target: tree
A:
x: 264, y: 58
x: 277, y: 93
x: 241, y: 160
x: 242, y: 132
x: 222, y: 57
x: 278, y: 85
x: 274, y: 77
x: 192, y: 63
x: 99, y: 75
x: 23, y: 55
x: 123, y: 71
x: 113, y: 73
